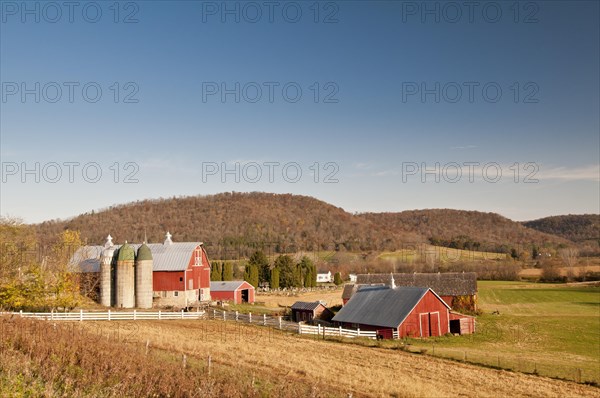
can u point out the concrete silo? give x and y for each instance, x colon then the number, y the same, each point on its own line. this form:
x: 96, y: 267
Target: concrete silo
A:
x: 143, y: 277
x: 125, y: 277
x: 106, y: 279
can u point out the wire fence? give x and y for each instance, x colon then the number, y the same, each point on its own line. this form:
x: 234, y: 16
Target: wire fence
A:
x: 515, y: 363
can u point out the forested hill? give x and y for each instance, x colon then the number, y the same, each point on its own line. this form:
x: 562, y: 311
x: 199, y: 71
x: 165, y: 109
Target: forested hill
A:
x: 471, y: 230
x: 584, y: 228
x: 284, y: 222
x: 240, y: 220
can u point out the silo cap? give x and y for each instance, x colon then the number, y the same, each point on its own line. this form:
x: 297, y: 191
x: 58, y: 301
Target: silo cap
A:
x: 126, y: 253
x: 144, y: 253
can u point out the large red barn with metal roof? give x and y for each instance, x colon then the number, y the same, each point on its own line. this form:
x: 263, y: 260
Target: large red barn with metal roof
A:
x: 396, y: 312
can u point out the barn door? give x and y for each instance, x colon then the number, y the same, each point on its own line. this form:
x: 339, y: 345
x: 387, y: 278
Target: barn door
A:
x: 434, y: 323
x: 424, y: 324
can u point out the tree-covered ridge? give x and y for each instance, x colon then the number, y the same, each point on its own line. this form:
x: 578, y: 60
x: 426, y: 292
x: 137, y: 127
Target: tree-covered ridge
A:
x: 234, y: 225
x: 577, y: 228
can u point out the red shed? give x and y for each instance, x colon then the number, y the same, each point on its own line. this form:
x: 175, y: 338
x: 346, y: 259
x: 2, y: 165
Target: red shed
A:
x: 235, y: 291
x: 409, y: 311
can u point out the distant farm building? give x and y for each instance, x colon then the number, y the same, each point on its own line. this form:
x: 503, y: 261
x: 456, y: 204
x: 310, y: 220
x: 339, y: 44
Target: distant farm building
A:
x: 235, y: 291
x: 396, y: 312
x: 352, y: 278
x: 457, y: 289
x: 324, y: 277
x: 303, y: 311
x: 146, y: 275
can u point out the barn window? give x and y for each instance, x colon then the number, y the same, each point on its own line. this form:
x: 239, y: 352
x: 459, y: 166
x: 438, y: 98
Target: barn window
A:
x: 197, y: 257
x: 181, y: 279
x: 175, y: 294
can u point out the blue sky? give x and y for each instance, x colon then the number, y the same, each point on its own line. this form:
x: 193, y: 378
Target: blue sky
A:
x: 389, y: 89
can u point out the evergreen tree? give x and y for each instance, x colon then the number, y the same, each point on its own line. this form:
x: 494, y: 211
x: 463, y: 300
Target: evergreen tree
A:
x: 227, y: 271
x: 274, y: 283
x: 215, y: 271
x: 313, y: 281
x: 337, y: 278
x: 261, y: 261
x: 308, y: 275
x: 251, y: 275
x: 287, y: 271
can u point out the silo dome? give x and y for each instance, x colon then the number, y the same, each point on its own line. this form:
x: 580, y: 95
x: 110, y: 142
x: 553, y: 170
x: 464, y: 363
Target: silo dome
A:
x: 144, y: 253
x: 126, y: 253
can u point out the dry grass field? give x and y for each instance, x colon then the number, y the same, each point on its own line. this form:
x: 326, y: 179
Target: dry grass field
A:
x: 332, y: 369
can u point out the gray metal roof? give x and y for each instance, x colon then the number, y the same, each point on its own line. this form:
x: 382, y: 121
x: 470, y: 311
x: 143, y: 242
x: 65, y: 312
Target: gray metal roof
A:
x: 225, y: 286
x: 444, y: 284
x: 171, y: 257
x: 381, y: 305
x: 304, y: 305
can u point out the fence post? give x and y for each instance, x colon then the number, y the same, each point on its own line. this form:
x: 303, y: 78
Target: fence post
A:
x: 147, y: 346
x: 237, y: 316
x: 279, y: 322
x: 578, y: 375
x: 340, y: 331
x: 80, y: 315
x: 182, y: 314
x: 224, y: 315
x: 134, y: 315
x: 109, y: 314
x: 184, y: 360
x: 249, y: 317
x: 299, y: 327
x: 209, y: 364
x: 159, y: 317
x: 21, y: 312
x: 318, y: 330
x: 264, y: 319
x: 358, y: 332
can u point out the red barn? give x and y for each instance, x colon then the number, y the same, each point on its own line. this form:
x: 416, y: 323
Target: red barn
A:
x: 457, y: 289
x: 180, y: 271
x: 409, y: 311
x: 234, y: 291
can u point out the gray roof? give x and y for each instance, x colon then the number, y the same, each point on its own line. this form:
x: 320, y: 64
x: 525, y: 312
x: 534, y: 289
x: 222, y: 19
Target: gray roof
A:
x: 173, y: 257
x: 304, y: 305
x: 226, y: 286
x: 381, y: 306
x: 444, y: 284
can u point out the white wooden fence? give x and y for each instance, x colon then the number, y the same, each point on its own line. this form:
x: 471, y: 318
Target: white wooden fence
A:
x: 108, y: 315
x: 331, y: 331
x: 262, y: 320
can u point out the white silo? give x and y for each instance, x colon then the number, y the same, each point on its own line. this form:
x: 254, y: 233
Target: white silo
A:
x: 143, y: 277
x: 125, y: 277
x: 106, y: 260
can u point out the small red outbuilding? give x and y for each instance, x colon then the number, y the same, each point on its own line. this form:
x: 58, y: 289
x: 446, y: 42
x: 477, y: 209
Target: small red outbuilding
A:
x: 235, y: 291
